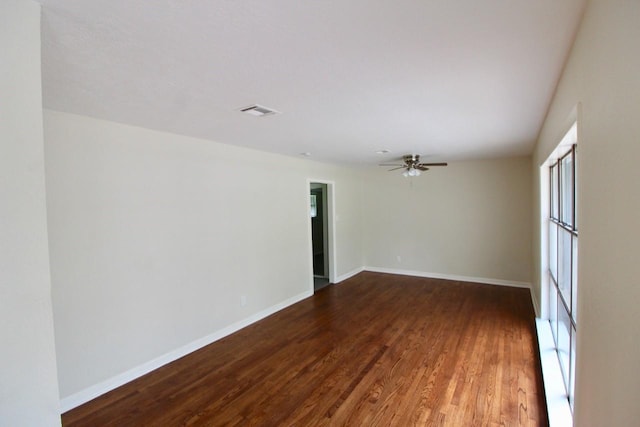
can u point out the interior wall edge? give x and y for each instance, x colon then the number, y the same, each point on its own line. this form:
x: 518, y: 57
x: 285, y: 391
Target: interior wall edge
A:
x: 28, y: 376
x: 535, y: 302
x: 348, y: 275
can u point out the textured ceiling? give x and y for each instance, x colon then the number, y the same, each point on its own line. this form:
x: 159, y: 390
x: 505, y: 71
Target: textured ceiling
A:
x: 448, y: 79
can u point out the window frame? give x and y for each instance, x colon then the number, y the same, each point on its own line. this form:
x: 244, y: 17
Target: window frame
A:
x: 563, y: 226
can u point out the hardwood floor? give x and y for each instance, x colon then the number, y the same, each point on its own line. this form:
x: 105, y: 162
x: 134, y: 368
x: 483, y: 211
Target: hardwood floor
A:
x: 377, y: 349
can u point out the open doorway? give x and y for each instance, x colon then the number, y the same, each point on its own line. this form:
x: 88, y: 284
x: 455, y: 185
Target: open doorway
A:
x: 320, y: 234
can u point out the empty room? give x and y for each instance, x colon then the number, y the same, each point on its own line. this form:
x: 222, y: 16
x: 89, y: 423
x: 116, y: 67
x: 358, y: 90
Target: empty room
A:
x: 319, y: 213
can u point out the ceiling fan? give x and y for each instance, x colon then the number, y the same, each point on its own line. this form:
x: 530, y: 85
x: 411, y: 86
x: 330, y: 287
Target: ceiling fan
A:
x: 412, y: 165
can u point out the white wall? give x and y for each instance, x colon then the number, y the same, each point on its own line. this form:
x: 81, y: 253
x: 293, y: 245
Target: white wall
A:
x: 470, y: 219
x: 28, y: 383
x: 155, y: 237
x: 602, y: 74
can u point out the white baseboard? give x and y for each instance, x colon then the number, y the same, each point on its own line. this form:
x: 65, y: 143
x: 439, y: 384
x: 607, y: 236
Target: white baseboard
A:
x: 83, y: 396
x: 348, y: 275
x: 483, y: 280
x: 536, y: 303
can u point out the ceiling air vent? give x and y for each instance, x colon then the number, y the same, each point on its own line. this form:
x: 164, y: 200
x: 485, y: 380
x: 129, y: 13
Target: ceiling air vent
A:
x: 259, y: 110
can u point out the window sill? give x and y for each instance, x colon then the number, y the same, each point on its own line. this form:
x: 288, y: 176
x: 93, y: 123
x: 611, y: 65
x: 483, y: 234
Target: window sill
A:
x: 555, y: 393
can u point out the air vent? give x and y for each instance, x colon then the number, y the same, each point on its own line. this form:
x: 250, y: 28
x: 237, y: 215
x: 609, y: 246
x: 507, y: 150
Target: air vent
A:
x: 259, y: 110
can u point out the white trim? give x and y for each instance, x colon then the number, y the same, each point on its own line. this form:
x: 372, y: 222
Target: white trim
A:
x: 554, y: 391
x: 103, y: 387
x: 544, y: 240
x: 348, y: 275
x: 331, y: 233
x: 536, y: 304
x: 307, y: 190
x: 96, y: 390
x: 484, y: 280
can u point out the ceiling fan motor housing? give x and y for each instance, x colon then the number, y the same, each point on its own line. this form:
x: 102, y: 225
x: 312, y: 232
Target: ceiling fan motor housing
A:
x: 410, y: 159
x: 412, y: 165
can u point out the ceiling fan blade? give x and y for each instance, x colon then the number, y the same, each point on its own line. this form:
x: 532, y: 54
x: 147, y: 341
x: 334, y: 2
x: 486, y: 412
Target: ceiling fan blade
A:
x: 432, y: 164
x: 422, y: 168
x: 391, y: 164
x: 394, y: 169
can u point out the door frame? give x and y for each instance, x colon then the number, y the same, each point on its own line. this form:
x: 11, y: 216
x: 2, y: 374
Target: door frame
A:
x: 331, y: 238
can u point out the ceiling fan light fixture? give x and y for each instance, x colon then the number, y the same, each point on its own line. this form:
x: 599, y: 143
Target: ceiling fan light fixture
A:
x: 411, y: 172
x: 412, y: 165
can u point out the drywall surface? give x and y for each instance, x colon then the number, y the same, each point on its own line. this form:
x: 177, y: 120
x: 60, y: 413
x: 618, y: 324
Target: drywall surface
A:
x: 28, y: 383
x: 602, y: 76
x: 469, y: 219
x: 156, y: 238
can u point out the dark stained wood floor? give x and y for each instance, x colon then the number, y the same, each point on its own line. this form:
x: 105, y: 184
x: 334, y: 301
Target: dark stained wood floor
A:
x: 377, y: 349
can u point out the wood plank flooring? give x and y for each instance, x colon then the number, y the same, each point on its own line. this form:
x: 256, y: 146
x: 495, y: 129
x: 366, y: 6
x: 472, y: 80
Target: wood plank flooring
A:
x: 377, y: 349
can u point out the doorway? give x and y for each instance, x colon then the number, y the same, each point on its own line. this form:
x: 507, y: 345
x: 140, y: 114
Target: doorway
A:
x: 320, y: 234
